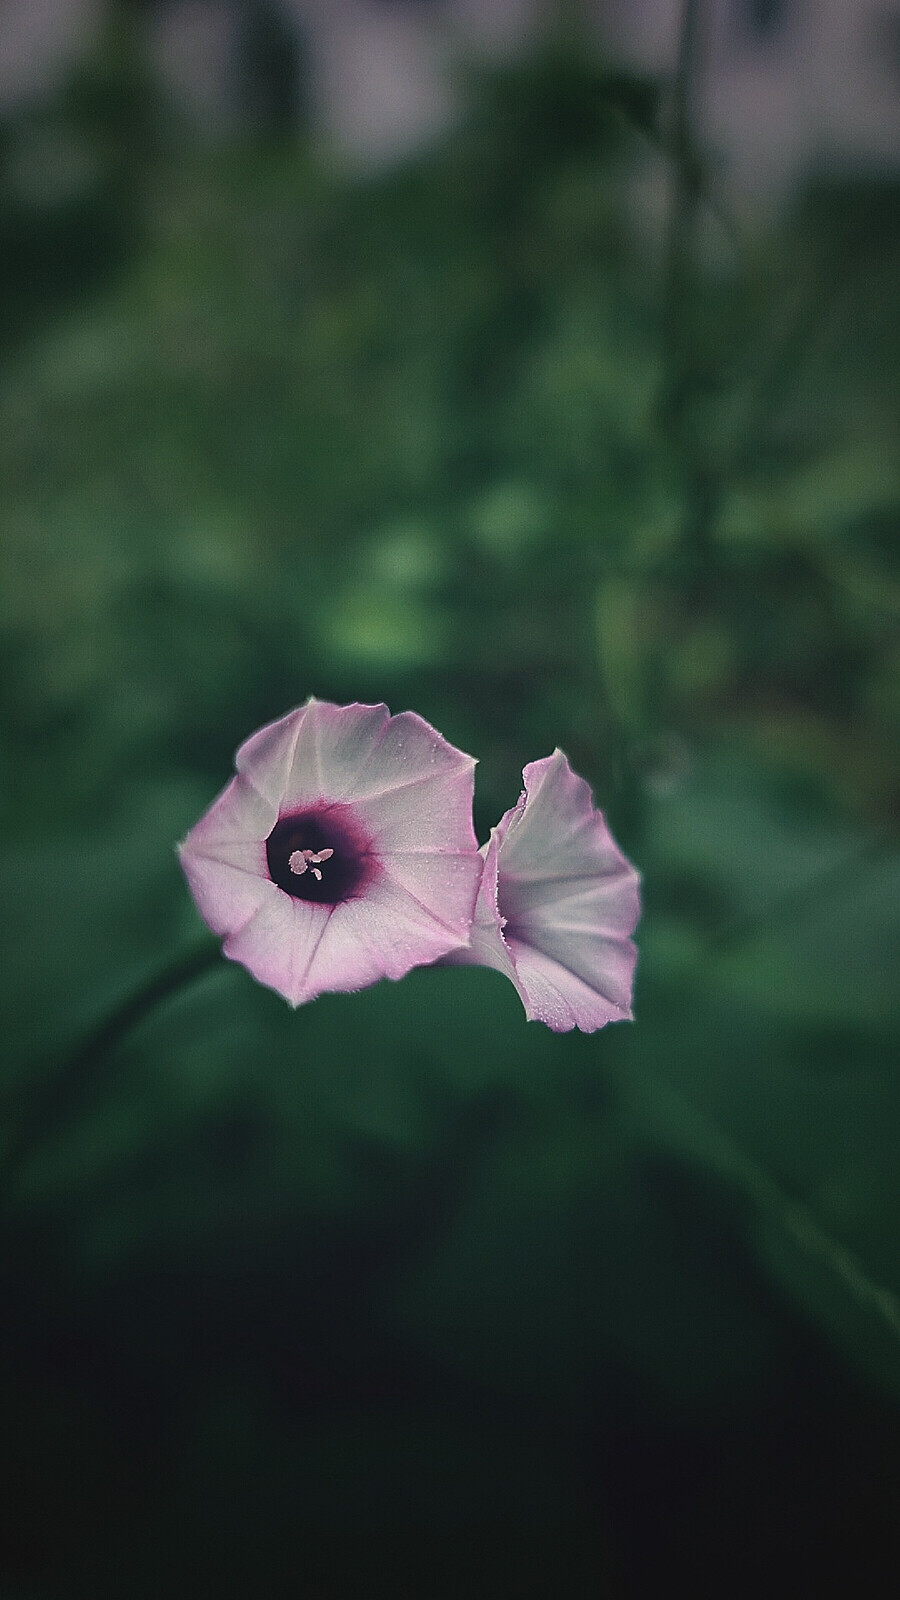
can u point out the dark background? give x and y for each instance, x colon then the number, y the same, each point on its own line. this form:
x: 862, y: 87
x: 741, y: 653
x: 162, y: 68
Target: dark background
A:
x: 558, y: 432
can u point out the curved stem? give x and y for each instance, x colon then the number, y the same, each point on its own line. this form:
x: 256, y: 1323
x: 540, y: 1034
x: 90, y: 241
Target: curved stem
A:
x: 80, y: 1069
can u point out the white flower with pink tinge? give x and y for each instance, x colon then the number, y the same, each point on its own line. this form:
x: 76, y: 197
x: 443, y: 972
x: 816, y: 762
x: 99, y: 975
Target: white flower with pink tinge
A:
x: 341, y: 853
x: 557, y: 905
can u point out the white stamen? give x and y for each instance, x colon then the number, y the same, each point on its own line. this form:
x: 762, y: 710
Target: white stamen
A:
x: 301, y: 861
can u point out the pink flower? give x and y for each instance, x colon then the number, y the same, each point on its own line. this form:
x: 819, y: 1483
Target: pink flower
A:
x: 557, y: 904
x: 343, y: 851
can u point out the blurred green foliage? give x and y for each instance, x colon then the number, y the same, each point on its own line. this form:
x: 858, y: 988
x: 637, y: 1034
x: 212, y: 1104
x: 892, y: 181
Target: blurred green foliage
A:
x: 295, y: 1293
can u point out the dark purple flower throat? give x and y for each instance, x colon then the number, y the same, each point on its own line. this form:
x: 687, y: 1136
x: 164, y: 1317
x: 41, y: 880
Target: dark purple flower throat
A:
x: 320, y: 855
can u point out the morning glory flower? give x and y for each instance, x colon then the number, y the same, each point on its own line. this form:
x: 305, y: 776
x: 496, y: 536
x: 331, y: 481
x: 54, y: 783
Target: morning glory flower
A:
x: 341, y: 853
x: 557, y: 904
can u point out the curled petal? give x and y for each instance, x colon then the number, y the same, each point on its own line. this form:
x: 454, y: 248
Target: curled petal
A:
x: 557, y: 904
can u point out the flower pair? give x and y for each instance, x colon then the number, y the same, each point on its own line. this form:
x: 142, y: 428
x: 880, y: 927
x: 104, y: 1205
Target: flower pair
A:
x: 343, y: 852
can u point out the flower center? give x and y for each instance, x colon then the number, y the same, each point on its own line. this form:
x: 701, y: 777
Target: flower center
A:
x: 320, y: 855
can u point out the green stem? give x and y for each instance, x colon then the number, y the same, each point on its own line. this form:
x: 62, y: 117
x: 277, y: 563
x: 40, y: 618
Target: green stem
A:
x: 80, y: 1070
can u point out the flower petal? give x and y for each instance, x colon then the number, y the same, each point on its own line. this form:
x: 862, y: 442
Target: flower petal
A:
x: 235, y: 827
x: 334, y: 744
x: 443, y: 884
x: 224, y: 857
x: 266, y: 758
x: 333, y: 748
x: 409, y: 752
x: 227, y: 896
x: 279, y: 943
x: 604, y: 903
x: 411, y: 787
x: 557, y: 904
x: 433, y: 812
x: 303, y: 949
x: 553, y: 993
x: 383, y: 934
x: 487, y: 946
x: 555, y: 833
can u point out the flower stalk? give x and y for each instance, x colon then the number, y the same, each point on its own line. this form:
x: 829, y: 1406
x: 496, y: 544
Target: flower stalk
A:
x: 82, y: 1070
